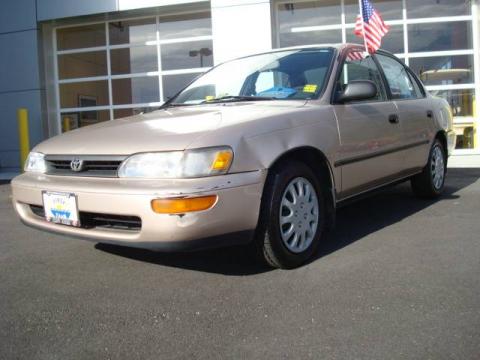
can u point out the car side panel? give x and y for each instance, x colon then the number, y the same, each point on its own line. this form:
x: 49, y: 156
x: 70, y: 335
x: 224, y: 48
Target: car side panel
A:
x: 443, y: 121
x: 311, y: 126
x: 369, y: 145
x: 417, y: 129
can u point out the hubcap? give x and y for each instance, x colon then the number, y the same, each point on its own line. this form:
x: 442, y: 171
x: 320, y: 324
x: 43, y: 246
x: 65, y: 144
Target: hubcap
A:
x: 437, y: 168
x: 299, y: 214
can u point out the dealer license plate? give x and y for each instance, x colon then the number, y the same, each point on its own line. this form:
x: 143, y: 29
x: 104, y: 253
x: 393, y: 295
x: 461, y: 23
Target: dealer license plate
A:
x: 61, y: 208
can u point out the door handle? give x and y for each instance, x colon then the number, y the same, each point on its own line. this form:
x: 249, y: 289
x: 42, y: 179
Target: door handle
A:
x: 430, y: 114
x: 394, y: 119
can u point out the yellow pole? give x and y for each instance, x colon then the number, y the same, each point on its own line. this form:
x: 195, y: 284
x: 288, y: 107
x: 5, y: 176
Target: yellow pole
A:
x: 66, y: 124
x: 23, y: 135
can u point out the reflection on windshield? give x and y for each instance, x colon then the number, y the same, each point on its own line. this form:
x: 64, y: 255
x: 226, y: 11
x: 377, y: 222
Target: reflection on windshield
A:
x: 291, y: 74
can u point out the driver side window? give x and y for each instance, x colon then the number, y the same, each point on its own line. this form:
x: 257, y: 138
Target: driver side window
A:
x: 357, y: 67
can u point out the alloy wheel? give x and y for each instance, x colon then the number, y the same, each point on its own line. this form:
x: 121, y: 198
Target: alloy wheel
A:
x: 437, y: 167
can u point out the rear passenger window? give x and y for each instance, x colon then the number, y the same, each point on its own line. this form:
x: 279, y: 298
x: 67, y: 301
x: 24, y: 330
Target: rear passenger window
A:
x: 416, y: 85
x: 359, y: 67
x: 398, y: 79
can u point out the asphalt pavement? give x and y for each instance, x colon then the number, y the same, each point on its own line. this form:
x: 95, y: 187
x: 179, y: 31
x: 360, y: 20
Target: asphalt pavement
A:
x: 398, y: 279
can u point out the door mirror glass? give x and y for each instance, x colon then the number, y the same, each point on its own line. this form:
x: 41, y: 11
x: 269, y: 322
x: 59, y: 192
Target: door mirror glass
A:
x: 358, y: 90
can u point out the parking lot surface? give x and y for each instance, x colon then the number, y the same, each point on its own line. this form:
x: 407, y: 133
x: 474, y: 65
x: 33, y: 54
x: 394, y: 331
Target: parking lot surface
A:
x: 399, y: 278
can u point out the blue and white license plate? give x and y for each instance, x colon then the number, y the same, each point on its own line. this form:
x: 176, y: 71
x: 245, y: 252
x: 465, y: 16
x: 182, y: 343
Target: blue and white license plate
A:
x: 61, y: 208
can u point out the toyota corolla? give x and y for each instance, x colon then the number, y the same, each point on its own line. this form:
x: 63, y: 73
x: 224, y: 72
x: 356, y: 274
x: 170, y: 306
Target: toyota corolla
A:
x: 261, y: 150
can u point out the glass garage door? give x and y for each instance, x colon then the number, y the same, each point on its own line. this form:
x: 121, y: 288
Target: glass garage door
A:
x: 114, y: 69
x: 436, y: 38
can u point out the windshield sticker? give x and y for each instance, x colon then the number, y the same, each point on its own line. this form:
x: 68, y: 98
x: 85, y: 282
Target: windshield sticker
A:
x: 209, y: 98
x: 310, y: 88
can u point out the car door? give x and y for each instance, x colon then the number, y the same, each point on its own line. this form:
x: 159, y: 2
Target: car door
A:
x: 369, y: 133
x: 414, y: 111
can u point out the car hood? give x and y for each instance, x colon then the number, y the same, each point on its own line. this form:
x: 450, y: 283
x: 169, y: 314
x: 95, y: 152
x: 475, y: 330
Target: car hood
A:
x: 170, y: 129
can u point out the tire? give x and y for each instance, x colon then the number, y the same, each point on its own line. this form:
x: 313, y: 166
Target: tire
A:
x: 275, y: 243
x: 430, y: 183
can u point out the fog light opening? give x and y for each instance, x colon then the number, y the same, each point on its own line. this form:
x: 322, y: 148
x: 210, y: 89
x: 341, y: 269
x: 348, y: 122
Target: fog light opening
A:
x: 183, y: 205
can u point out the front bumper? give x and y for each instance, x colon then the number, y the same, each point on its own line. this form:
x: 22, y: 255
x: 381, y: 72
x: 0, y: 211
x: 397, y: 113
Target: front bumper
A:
x: 236, y: 210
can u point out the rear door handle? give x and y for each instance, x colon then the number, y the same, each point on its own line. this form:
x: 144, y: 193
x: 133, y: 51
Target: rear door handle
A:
x: 430, y: 113
x: 394, y: 119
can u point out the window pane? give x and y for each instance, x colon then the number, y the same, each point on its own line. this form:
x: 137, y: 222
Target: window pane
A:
x: 187, y: 25
x: 121, y: 113
x: 392, y: 42
x: 465, y: 136
x: 134, y: 60
x: 132, y: 31
x: 432, y: 8
x: 82, y: 65
x: 135, y: 90
x: 398, y: 79
x: 308, y: 13
x: 81, y: 37
x: 172, y: 84
x: 311, y: 38
x: 440, y: 36
x: 388, y: 9
x: 461, y: 101
x: 444, y: 70
x: 84, y: 94
x: 187, y: 55
x: 364, y: 69
x: 72, y: 121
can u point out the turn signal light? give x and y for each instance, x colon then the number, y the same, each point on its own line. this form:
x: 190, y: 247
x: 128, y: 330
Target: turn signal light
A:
x: 183, y: 205
x: 222, y: 161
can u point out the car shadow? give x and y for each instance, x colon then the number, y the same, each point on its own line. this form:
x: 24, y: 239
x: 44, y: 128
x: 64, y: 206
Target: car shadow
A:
x: 354, y: 222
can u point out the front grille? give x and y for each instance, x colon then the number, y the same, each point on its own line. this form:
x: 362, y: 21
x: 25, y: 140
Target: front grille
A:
x: 94, y: 166
x: 89, y: 220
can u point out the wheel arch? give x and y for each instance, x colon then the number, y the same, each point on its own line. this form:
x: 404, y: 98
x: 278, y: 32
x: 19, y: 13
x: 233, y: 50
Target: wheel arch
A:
x: 442, y: 137
x: 316, y: 160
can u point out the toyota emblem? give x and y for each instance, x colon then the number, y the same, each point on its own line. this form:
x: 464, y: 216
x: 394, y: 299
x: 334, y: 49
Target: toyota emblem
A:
x: 76, y: 165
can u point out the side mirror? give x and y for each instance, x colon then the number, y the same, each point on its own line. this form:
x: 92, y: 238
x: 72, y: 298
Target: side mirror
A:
x: 358, y: 90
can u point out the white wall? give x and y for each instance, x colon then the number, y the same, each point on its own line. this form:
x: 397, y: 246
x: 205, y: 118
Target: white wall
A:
x: 139, y: 4
x: 240, y: 27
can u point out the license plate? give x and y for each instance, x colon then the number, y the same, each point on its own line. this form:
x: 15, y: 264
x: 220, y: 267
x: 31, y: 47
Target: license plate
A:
x: 61, y: 208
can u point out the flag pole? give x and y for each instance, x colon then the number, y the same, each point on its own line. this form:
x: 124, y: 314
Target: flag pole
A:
x: 363, y: 27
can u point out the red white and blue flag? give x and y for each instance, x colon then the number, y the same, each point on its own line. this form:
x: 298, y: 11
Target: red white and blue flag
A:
x: 370, y: 26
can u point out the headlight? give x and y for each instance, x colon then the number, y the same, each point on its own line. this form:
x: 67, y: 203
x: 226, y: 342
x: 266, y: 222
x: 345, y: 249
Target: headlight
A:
x: 35, y: 163
x: 178, y: 164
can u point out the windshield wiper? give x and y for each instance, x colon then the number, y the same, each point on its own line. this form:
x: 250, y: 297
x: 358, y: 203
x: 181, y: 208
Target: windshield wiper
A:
x: 237, y: 98
x: 165, y: 106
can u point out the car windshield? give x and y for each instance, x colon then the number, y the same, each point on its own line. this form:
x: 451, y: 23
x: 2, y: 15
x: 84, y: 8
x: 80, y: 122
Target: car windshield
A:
x: 291, y: 74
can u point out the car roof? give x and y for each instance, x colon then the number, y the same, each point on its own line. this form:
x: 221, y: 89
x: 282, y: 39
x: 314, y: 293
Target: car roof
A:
x: 337, y: 46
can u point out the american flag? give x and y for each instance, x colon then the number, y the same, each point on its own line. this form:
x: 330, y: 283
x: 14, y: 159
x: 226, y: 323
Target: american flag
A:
x: 355, y: 55
x: 373, y: 25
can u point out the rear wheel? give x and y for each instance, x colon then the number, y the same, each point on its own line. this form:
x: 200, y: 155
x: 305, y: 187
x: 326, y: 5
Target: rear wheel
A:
x: 292, y: 219
x: 431, y: 181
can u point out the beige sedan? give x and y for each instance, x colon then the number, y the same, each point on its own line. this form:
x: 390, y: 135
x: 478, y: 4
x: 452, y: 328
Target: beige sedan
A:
x: 258, y: 150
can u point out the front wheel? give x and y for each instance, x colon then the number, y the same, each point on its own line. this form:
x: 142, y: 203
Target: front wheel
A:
x: 431, y: 181
x: 292, y: 219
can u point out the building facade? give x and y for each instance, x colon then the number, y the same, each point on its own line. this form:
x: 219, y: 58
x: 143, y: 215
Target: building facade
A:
x: 76, y: 63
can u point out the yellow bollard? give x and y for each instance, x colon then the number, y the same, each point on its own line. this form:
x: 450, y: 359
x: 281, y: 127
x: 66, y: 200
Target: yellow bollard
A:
x: 66, y: 124
x: 23, y: 135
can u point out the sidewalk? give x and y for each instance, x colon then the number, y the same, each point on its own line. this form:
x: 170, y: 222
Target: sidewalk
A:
x: 464, y: 161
